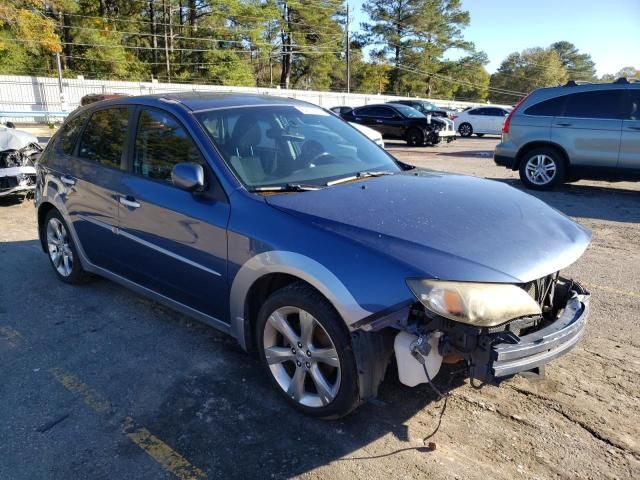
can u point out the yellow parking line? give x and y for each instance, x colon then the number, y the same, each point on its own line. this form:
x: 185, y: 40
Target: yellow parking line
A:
x: 13, y: 337
x: 614, y: 290
x: 162, y: 453
x: 89, y: 396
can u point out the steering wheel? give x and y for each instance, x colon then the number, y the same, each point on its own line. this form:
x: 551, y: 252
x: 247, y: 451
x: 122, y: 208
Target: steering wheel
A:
x: 315, y: 160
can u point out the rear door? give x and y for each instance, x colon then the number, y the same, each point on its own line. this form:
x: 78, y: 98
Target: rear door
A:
x: 494, y: 119
x: 175, y: 241
x: 630, y: 140
x: 589, y: 129
x: 92, y: 180
x: 478, y: 120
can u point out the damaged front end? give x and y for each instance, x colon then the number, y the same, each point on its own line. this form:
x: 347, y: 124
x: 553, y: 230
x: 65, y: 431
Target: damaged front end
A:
x: 451, y: 326
x: 17, y: 170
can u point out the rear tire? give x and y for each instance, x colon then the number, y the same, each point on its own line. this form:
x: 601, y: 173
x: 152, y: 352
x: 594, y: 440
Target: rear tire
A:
x: 306, y: 351
x: 465, y: 130
x: 62, y: 250
x: 542, y: 168
x: 415, y: 137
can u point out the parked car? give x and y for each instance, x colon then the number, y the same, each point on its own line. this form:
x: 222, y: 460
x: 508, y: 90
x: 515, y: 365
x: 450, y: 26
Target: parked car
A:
x: 341, y: 110
x: 18, y: 153
x: 395, y: 121
x: 572, y: 132
x: 424, y: 107
x: 481, y: 121
x: 370, y: 133
x: 276, y: 222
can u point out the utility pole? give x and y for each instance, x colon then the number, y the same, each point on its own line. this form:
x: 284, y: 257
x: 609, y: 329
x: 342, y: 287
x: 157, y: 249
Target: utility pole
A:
x: 348, y: 55
x: 166, y: 42
x: 60, y: 90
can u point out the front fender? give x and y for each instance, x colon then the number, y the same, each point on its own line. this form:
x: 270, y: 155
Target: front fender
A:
x: 298, y: 265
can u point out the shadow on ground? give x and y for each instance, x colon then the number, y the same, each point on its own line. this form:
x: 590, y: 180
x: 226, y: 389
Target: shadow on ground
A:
x: 589, y: 201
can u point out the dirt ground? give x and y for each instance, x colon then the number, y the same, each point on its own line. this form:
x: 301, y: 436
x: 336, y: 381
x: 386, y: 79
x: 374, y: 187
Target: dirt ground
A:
x: 97, y: 382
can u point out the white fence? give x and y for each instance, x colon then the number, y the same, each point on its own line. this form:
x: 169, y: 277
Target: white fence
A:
x: 25, y: 99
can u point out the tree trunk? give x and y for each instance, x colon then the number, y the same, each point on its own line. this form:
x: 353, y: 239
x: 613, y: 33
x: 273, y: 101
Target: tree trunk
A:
x: 193, y: 27
x: 285, y: 75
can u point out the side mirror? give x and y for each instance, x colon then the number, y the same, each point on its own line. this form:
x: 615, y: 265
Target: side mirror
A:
x: 188, y: 176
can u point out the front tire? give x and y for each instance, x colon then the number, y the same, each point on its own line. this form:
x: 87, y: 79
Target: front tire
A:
x: 542, y: 168
x: 465, y: 130
x: 306, y: 351
x: 415, y: 137
x: 62, y: 250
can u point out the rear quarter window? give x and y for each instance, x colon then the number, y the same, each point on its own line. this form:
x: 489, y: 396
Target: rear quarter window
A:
x: 104, y: 137
x: 547, y: 108
x: 70, y: 133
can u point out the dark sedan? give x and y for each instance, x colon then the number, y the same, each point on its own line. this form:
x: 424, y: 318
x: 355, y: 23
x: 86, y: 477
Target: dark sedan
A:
x: 399, y: 122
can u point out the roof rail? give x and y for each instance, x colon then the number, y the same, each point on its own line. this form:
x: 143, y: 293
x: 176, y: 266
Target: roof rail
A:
x: 575, y: 83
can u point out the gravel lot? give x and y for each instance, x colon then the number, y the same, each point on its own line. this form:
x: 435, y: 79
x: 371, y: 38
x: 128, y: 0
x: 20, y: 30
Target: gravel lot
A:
x: 98, y: 382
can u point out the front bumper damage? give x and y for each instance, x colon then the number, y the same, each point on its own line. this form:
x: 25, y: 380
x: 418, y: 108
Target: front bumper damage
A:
x: 424, y: 341
x: 498, y: 356
x: 17, y: 180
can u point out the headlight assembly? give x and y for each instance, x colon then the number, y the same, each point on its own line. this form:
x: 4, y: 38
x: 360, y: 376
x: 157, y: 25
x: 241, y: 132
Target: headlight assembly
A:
x: 478, y: 304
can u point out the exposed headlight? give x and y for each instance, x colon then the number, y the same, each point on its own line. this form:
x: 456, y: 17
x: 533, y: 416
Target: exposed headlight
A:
x: 479, y: 304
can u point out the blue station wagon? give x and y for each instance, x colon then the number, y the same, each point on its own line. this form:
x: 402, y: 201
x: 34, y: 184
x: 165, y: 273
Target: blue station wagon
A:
x: 277, y: 222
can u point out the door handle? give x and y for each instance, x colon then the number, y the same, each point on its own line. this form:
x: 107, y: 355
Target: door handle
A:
x: 129, y: 201
x: 67, y: 180
x: 563, y: 124
x: 378, y: 121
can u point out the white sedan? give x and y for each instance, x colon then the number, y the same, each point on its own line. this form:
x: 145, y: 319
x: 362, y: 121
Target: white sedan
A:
x: 481, y: 120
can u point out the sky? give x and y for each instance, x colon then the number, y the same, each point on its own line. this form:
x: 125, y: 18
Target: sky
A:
x: 609, y: 30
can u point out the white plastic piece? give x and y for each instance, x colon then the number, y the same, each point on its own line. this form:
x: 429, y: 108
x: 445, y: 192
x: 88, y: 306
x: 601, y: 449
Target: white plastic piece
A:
x: 410, y: 370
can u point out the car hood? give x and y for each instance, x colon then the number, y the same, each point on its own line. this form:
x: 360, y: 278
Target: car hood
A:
x: 446, y: 226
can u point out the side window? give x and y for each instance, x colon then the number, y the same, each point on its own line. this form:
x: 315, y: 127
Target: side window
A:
x: 632, y: 105
x: 70, y: 133
x: 384, y: 112
x: 161, y: 143
x: 495, y: 112
x: 595, y: 104
x: 364, y: 111
x: 104, y: 136
x: 549, y: 108
x: 476, y: 111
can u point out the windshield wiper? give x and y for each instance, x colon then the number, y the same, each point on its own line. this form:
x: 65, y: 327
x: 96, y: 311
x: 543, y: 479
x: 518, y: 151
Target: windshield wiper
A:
x: 359, y: 175
x: 289, y: 187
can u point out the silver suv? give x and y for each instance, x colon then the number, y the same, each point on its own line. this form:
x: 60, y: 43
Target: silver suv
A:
x: 575, y: 131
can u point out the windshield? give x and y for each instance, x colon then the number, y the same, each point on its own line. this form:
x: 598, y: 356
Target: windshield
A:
x: 279, y: 145
x: 428, y: 106
x: 409, y: 112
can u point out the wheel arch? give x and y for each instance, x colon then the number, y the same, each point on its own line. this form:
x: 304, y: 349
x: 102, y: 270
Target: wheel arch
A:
x: 43, y: 210
x: 537, y: 144
x: 264, y: 273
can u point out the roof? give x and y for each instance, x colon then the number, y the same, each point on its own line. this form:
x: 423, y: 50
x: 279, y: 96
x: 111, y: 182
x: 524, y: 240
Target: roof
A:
x: 208, y: 100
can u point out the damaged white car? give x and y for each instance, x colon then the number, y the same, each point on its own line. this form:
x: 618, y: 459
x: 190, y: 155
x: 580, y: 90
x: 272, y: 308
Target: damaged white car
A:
x: 18, y: 153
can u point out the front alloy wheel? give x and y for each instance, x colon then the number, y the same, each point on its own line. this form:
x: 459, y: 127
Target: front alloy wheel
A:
x: 306, y: 350
x: 301, y: 356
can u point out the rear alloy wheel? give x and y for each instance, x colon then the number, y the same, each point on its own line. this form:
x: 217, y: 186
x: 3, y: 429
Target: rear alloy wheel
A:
x: 542, y: 169
x: 465, y: 130
x: 62, y: 251
x: 307, y: 352
x: 415, y: 137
